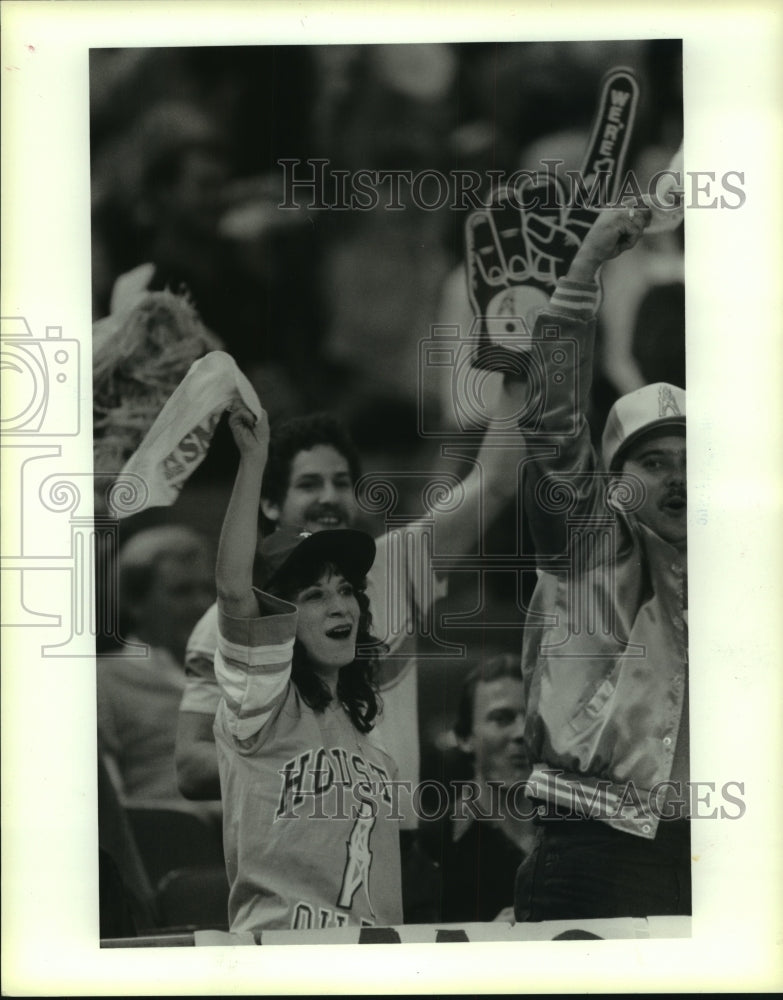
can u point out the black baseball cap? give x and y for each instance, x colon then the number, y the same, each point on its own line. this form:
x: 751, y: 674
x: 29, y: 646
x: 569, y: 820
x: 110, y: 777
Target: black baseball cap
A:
x: 351, y: 550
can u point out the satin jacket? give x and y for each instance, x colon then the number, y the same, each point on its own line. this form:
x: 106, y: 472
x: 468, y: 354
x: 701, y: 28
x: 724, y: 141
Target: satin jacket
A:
x: 605, y: 649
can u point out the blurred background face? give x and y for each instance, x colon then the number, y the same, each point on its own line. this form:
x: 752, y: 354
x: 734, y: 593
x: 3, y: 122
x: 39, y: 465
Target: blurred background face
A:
x: 320, y: 492
x: 497, y: 741
x: 181, y: 591
x: 195, y: 200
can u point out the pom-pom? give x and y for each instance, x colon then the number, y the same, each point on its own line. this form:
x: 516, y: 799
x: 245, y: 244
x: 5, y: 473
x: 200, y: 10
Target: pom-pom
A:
x: 139, y: 359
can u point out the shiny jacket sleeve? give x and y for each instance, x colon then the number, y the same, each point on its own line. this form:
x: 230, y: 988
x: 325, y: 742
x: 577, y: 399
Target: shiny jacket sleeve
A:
x: 560, y: 472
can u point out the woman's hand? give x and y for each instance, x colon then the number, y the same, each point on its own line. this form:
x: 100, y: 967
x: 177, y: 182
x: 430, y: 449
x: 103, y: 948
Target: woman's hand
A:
x: 251, y: 435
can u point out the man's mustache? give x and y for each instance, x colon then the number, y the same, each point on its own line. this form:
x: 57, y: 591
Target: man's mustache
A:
x: 674, y: 494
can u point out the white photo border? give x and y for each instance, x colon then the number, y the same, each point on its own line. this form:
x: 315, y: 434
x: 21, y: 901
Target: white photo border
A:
x: 732, y: 114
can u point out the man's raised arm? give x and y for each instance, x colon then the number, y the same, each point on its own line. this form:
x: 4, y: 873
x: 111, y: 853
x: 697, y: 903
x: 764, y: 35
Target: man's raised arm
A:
x: 564, y: 342
x: 559, y: 427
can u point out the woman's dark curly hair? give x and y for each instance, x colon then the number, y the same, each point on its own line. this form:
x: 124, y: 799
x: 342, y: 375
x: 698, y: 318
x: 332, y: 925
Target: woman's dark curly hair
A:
x: 357, y: 686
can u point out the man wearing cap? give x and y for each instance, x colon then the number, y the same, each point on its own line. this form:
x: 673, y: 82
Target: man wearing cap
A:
x: 604, y: 657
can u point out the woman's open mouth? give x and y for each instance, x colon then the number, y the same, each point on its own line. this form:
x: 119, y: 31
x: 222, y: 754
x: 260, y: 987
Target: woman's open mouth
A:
x: 340, y: 632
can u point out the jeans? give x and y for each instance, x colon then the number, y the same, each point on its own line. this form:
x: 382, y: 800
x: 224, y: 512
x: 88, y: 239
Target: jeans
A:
x: 583, y: 869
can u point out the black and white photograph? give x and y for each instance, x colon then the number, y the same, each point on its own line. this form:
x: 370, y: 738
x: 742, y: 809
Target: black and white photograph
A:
x: 350, y: 487
x: 328, y: 222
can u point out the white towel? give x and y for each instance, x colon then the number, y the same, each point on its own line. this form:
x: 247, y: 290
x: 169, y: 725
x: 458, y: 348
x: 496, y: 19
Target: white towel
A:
x: 177, y: 442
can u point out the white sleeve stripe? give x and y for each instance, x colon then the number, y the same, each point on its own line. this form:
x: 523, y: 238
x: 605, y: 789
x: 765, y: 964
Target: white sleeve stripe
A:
x: 233, y: 683
x: 572, y: 294
x: 247, y: 694
x: 246, y: 698
x: 255, y: 676
x: 257, y: 656
x: 251, y: 722
x: 199, y: 653
x: 564, y: 290
x: 569, y: 285
x: 568, y: 299
x: 245, y: 729
x: 264, y: 711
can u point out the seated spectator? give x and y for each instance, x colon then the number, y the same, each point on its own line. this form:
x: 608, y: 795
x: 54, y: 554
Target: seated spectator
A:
x: 487, y: 838
x: 166, y: 584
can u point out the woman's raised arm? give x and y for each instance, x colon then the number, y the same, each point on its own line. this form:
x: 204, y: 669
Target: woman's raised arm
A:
x: 236, y: 551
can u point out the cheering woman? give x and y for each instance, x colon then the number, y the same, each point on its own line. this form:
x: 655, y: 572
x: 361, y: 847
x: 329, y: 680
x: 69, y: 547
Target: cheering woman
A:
x: 310, y: 833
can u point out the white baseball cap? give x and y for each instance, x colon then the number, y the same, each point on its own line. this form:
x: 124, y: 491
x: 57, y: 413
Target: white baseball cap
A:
x: 636, y: 413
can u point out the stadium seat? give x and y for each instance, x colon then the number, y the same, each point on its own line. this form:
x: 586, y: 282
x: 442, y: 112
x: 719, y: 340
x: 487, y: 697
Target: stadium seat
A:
x: 171, y: 838
x: 194, y: 898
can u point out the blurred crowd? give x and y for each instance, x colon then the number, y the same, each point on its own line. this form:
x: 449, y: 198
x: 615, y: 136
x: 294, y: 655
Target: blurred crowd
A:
x: 325, y: 308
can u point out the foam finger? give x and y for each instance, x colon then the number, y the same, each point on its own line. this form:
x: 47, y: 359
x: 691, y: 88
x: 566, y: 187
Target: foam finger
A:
x: 485, y: 259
